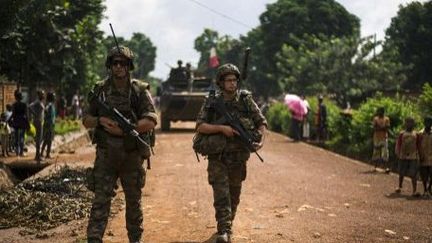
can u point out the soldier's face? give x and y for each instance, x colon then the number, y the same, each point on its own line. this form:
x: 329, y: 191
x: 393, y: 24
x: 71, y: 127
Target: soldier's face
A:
x: 119, y: 67
x: 230, y: 83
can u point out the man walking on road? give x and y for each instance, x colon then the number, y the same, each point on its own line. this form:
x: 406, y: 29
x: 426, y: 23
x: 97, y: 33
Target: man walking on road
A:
x: 37, y: 109
x: 227, y: 160
x: 119, y: 155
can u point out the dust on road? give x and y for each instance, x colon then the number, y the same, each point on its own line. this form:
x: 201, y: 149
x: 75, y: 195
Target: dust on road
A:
x: 300, y: 194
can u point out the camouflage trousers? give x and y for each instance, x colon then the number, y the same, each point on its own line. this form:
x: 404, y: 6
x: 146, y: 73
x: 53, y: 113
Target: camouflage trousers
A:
x: 226, y: 172
x: 112, y: 163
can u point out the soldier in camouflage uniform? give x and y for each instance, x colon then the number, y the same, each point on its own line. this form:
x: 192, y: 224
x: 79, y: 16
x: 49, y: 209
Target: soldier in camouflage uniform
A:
x: 119, y: 155
x: 227, y: 168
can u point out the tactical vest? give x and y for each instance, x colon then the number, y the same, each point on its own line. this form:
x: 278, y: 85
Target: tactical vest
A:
x: 127, y: 103
x: 240, y: 109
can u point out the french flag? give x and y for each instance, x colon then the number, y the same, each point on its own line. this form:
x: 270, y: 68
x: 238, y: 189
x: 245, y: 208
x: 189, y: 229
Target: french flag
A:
x: 214, y: 61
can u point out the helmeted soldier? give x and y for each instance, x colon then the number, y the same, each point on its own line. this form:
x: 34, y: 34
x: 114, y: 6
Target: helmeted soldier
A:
x: 119, y: 155
x: 227, y: 160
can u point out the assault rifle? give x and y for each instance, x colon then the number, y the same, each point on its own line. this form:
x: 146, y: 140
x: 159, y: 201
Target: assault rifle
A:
x: 245, y: 137
x: 125, y: 125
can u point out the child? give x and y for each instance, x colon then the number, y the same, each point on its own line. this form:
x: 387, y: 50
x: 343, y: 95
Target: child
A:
x: 425, y: 154
x: 4, y: 135
x: 406, y: 151
x: 381, y: 124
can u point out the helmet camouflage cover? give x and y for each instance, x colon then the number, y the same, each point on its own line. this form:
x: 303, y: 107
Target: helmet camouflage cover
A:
x: 124, y: 52
x: 225, y: 70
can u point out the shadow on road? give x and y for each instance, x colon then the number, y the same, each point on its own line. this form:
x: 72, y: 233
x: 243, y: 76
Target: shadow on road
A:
x: 373, y: 172
x: 209, y: 240
x: 176, y: 130
x: 395, y: 195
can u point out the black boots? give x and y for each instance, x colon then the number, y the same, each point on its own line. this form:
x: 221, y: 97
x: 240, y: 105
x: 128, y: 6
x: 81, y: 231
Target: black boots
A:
x: 223, y: 238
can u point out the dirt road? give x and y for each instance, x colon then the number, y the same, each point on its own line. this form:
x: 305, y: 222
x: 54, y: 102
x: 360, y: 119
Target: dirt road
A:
x: 300, y: 194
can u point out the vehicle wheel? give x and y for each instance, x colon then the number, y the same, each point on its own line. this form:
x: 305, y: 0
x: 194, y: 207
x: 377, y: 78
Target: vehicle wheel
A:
x: 165, y: 123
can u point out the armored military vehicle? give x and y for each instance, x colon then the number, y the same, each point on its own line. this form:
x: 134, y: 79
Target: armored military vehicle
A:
x: 182, y: 96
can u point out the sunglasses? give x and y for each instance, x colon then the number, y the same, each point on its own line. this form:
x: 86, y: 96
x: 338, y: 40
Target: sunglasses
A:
x: 122, y: 63
x: 231, y: 80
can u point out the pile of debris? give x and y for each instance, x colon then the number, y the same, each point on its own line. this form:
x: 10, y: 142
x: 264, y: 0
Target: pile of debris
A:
x: 47, y: 202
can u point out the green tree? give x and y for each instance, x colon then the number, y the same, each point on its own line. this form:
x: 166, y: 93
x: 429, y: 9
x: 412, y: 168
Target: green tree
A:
x: 408, y: 41
x: 286, y: 22
x: 145, y: 54
x: 345, y: 67
x: 142, y: 47
x: 425, y: 101
x: 203, y: 44
x: 229, y: 50
x: 54, y: 48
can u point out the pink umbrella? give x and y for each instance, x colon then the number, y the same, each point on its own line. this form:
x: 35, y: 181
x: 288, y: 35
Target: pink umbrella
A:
x: 296, y: 105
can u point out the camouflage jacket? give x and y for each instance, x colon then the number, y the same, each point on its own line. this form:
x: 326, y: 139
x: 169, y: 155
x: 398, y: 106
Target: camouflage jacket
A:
x: 242, y: 106
x: 134, y: 103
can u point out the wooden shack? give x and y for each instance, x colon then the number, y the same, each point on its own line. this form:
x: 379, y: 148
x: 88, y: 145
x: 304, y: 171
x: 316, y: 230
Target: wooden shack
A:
x: 7, y: 90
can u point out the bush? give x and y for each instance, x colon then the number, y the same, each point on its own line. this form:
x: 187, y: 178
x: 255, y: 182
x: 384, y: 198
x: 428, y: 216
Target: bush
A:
x: 425, y: 101
x: 351, y: 133
x: 64, y: 126
x: 357, y: 140
x: 333, y: 116
x: 279, y: 118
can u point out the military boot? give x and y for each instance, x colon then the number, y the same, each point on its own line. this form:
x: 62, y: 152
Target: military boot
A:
x: 224, y: 237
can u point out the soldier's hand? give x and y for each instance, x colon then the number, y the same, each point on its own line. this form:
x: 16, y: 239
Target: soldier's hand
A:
x: 258, y: 146
x: 228, y: 131
x: 106, y: 122
x: 110, y: 126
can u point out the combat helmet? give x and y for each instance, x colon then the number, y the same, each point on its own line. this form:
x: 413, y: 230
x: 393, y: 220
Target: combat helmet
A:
x: 225, y: 70
x: 124, y: 51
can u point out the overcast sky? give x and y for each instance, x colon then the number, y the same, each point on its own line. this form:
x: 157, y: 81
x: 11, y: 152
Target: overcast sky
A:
x: 173, y: 25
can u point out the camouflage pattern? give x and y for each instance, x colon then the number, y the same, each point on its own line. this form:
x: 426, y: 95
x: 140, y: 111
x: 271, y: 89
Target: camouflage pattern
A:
x: 114, y: 163
x: 225, y: 70
x: 242, y: 106
x: 124, y: 52
x: 118, y: 158
x: 122, y: 100
x: 227, y: 170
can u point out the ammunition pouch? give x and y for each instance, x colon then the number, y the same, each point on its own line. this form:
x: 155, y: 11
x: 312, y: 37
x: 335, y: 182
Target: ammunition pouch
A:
x: 249, y: 126
x: 206, y: 144
x: 131, y: 143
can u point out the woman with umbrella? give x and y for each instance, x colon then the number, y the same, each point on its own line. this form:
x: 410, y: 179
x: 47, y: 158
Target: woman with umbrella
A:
x: 298, y: 109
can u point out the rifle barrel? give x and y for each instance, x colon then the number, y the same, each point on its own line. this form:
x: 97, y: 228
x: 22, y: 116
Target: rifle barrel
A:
x: 115, y: 39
